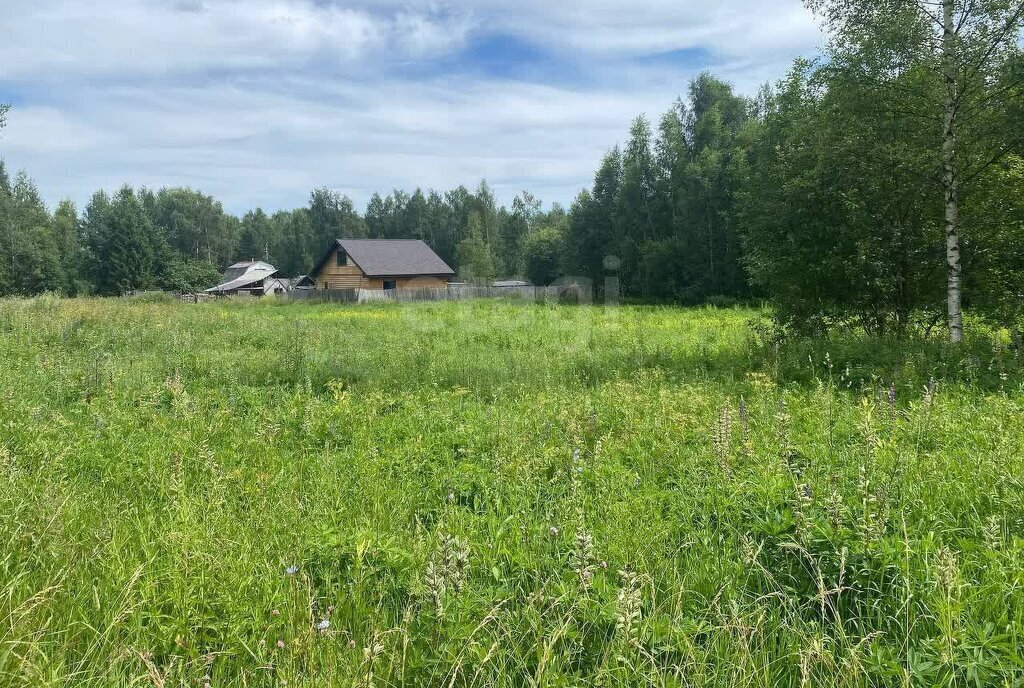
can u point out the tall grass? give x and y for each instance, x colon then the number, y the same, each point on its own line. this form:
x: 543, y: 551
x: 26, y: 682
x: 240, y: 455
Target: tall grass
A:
x: 489, y: 494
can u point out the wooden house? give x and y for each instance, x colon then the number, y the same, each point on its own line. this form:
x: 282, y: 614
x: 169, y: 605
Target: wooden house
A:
x: 380, y: 264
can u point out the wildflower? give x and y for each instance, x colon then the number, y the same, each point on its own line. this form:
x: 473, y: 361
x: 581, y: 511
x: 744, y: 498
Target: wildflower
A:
x: 454, y: 564
x: 748, y: 550
x: 745, y: 427
x: 280, y: 644
x: 292, y: 570
x: 627, y: 614
x: 275, y: 612
x: 351, y: 644
x: 946, y: 570
x: 993, y: 532
x: 372, y: 651
x: 553, y: 530
x: 582, y: 558
x: 836, y: 508
x: 323, y: 625
x: 722, y: 438
x: 436, y: 586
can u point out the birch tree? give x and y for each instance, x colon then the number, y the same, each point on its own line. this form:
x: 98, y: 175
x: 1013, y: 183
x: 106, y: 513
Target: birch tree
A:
x: 967, y: 47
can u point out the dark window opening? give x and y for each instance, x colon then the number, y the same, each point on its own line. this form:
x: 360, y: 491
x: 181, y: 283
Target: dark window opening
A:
x: 342, y: 259
x: 389, y: 284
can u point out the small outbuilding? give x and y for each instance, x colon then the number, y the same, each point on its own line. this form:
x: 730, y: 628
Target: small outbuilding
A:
x: 251, y: 278
x: 302, y: 282
x: 380, y: 264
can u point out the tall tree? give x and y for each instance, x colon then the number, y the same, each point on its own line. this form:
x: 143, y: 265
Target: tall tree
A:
x: 192, y: 222
x: 65, y: 237
x: 475, y: 260
x: 332, y: 216
x: 255, y: 237
x: 839, y: 225
x: 714, y: 120
x: 516, y: 227
x: 966, y: 48
x: 121, y: 243
x: 36, y: 265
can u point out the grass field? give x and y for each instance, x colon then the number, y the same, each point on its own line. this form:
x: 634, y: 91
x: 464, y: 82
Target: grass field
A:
x: 494, y: 494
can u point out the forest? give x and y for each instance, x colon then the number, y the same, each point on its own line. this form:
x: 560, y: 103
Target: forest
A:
x: 879, y: 186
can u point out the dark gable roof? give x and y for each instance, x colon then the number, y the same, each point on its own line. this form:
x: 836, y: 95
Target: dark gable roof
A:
x: 389, y: 257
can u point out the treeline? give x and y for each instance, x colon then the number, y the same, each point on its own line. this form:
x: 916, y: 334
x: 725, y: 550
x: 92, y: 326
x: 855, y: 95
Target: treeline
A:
x: 181, y: 239
x: 881, y: 187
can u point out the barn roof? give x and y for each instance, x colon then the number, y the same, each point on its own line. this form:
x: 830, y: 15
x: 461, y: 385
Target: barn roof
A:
x: 389, y: 257
x: 241, y: 275
x: 247, y: 267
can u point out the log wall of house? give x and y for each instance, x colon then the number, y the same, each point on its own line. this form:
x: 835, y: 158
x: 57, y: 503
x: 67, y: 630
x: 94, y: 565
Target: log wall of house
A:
x: 334, y: 276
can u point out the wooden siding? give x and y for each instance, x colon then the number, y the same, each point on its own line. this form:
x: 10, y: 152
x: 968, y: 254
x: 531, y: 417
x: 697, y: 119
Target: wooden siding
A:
x: 334, y: 276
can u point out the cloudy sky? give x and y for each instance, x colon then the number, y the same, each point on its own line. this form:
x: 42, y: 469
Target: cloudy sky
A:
x: 259, y: 101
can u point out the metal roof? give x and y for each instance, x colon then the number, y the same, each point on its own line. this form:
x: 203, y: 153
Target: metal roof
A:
x: 247, y: 267
x: 390, y: 257
x: 241, y: 275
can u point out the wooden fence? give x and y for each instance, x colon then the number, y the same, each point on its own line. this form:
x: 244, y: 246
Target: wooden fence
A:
x: 566, y: 293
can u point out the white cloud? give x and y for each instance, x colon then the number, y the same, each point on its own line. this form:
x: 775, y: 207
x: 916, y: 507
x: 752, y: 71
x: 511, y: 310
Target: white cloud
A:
x: 108, y: 37
x: 257, y: 102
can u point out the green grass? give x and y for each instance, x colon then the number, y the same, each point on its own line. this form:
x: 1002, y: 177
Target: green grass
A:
x: 493, y: 494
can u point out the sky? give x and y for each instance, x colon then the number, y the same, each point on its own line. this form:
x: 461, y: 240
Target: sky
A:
x: 257, y: 102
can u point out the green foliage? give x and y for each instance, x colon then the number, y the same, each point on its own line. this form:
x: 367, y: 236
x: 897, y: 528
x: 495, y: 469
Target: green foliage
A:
x: 29, y: 253
x: 939, y: 84
x: 192, y: 223
x: 123, y: 247
x: 996, y: 266
x: 190, y: 275
x: 666, y: 206
x: 332, y: 216
x: 475, y: 261
x: 495, y: 494
x: 839, y: 225
x: 544, y: 251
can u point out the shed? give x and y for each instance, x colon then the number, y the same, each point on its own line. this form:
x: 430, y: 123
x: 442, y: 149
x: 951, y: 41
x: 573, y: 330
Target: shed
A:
x: 252, y: 278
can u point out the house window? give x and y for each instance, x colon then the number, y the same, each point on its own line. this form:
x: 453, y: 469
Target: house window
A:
x: 389, y: 284
x: 342, y: 259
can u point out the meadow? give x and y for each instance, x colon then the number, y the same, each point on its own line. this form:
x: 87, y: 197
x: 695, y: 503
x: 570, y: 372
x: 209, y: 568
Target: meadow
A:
x: 499, y: 494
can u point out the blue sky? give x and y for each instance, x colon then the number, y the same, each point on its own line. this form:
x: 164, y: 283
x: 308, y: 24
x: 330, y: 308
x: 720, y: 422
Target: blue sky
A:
x: 258, y: 102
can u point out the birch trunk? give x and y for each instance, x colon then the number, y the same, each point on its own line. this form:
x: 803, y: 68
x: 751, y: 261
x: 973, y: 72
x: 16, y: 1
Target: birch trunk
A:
x: 949, y: 176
